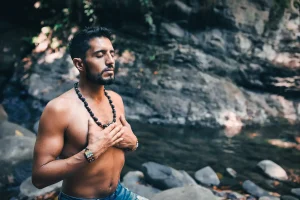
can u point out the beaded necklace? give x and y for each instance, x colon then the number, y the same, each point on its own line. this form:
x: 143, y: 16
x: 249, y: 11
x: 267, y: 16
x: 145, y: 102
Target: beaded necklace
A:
x: 91, y: 112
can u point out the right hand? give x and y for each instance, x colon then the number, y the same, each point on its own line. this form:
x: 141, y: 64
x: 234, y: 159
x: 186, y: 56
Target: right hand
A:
x: 100, y: 140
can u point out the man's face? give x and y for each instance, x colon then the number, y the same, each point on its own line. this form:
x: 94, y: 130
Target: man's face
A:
x: 100, y: 61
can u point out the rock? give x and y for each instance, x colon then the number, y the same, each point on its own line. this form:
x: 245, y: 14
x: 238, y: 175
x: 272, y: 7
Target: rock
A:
x: 273, y: 170
x: 253, y: 189
x: 36, y: 126
x: 227, y: 194
x: 3, y: 114
x: 187, y: 192
x: 15, y: 149
x: 173, y: 29
x: 207, y: 176
x: 231, y: 172
x: 134, y: 181
x: 287, y: 197
x: 16, y: 154
x: 11, y: 129
x: 255, y: 66
x: 269, y: 198
x: 296, y: 191
x: 164, y: 177
x: 27, y: 189
x: 177, y: 10
x: 49, y: 79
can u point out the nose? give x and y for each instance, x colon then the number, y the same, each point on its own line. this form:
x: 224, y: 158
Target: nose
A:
x: 109, y: 60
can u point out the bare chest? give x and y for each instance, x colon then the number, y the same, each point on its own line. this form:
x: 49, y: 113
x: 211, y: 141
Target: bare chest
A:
x: 75, y: 138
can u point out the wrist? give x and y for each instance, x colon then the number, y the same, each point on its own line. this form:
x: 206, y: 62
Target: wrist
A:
x: 135, y: 145
x: 89, y: 155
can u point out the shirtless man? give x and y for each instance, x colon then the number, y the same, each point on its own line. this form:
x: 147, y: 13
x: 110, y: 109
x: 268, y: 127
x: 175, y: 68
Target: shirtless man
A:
x: 85, y: 128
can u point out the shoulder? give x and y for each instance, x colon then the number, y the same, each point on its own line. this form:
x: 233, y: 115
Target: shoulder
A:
x: 116, y: 98
x: 114, y: 95
x: 61, y: 104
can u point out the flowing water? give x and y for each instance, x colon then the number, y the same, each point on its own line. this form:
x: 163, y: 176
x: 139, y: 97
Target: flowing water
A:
x: 192, y: 149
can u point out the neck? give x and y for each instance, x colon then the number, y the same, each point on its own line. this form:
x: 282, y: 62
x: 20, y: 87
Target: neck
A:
x: 91, y: 90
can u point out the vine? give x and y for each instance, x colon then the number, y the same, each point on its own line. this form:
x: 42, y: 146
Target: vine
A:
x: 147, y: 5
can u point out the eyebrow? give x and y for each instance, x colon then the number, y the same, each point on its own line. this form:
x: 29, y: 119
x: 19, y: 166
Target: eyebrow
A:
x: 102, y: 51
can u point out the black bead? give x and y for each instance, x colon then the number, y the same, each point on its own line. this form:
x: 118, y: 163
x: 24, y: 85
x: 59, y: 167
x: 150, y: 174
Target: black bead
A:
x: 89, y: 109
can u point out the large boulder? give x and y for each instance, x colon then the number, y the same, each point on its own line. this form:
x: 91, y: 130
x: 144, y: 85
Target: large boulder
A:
x: 16, y: 154
x: 11, y: 129
x: 134, y: 181
x: 273, y: 170
x: 235, y: 73
x: 164, y: 177
x: 187, y: 192
x: 30, y: 192
x: 52, y: 74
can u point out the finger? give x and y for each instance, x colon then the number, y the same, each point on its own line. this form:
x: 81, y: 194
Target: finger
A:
x: 123, y: 120
x: 110, y: 128
x: 119, y: 134
x: 115, y: 130
x: 117, y: 141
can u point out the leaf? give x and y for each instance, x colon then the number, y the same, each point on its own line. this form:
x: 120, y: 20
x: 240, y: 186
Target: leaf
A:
x: 46, y: 29
x: 57, y: 26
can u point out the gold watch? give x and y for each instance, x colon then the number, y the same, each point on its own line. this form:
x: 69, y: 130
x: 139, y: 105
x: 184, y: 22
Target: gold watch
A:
x: 89, y: 155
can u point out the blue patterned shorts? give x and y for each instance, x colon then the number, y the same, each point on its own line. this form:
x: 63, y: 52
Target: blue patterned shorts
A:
x: 121, y: 193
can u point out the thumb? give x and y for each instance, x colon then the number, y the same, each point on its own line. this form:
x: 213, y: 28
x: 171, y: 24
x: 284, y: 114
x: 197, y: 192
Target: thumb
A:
x: 123, y: 120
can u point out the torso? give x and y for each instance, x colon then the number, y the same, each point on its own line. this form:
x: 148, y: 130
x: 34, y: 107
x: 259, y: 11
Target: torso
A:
x: 99, y: 178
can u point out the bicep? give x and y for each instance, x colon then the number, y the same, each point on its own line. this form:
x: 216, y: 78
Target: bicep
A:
x: 50, y: 137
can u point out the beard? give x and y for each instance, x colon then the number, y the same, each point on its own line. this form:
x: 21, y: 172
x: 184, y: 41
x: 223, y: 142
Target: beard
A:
x: 98, y: 78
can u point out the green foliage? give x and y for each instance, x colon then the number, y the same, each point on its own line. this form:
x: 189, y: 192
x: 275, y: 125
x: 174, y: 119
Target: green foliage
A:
x: 146, y: 8
x: 89, y: 11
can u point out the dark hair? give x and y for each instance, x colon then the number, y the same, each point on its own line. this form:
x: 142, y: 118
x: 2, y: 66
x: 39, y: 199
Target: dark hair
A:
x: 79, y: 44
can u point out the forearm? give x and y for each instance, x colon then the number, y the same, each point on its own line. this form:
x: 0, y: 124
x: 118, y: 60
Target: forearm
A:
x: 58, y: 170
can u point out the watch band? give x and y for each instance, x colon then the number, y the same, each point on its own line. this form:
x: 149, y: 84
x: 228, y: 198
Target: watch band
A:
x: 89, y: 155
x: 134, y: 148
x: 136, y: 145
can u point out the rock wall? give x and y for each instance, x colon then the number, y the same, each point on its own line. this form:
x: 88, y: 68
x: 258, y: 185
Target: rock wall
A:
x: 202, y: 63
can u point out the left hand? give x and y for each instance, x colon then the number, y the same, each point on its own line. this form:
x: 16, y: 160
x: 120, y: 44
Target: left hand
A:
x: 129, y: 139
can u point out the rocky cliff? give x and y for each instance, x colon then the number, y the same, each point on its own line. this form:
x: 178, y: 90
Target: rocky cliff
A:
x: 201, y: 63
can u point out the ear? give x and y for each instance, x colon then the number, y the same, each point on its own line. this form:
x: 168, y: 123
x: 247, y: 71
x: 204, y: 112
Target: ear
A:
x: 78, y: 64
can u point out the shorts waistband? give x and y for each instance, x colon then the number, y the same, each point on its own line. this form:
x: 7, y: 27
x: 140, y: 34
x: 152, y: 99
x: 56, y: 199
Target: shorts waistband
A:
x: 63, y: 196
